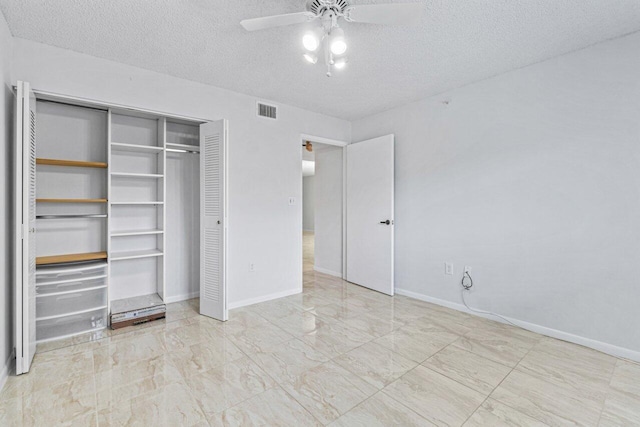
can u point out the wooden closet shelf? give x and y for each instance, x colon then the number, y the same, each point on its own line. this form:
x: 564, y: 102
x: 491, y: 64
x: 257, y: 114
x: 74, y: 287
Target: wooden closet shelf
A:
x: 56, y: 259
x: 73, y: 163
x: 71, y: 200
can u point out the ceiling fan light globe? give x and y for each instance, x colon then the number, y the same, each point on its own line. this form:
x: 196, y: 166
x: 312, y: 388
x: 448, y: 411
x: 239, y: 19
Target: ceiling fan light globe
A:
x: 338, y: 44
x: 310, y: 57
x: 310, y: 41
x: 338, y: 47
x: 340, y: 63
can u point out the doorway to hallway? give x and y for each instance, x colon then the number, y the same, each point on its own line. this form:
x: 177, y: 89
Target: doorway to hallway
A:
x: 322, y: 208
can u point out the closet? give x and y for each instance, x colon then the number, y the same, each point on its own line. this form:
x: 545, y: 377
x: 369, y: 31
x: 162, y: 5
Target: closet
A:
x: 116, y: 207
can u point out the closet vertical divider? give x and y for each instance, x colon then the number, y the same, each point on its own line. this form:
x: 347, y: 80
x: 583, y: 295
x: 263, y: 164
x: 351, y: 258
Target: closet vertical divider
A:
x: 162, y: 209
x: 109, y: 170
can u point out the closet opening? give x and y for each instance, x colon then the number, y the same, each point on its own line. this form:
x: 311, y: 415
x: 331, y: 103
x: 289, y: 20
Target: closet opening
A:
x: 118, y: 212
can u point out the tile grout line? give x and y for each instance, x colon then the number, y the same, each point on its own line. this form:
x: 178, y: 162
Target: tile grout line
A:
x: 95, y: 388
x: 332, y: 359
x: 464, y: 385
x: 394, y: 352
x: 507, y: 376
x: 390, y: 397
x: 301, y: 405
x: 396, y: 400
x: 412, y: 369
x: 606, y: 397
x: 340, y: 366
x: 185, y: 379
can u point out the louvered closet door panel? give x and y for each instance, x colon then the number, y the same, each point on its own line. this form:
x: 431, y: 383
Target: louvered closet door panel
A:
x: 212, y: 219
x: 31, y: 274
x: 25, y: 215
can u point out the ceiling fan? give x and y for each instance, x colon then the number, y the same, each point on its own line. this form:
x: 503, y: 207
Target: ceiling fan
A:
x: 328, y: 33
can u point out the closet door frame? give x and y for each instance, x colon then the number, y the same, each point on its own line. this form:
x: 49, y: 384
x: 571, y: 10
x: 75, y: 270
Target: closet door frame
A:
x: 112, y: 108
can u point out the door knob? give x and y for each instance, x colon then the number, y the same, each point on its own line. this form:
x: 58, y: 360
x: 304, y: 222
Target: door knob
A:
x: 385, y: 222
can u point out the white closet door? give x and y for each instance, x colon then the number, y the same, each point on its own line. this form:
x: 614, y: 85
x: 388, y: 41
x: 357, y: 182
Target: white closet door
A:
x: 213, y: 184
x: 25, y: 288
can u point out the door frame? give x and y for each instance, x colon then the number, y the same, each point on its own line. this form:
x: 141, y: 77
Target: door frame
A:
x: 335, y: 143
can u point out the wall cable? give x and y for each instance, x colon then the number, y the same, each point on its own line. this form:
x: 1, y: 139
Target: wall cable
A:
x: 466, y: 287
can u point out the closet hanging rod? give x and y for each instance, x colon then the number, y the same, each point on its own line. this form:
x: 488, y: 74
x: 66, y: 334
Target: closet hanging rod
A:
x: 70, y: 216
x: 174, y: 150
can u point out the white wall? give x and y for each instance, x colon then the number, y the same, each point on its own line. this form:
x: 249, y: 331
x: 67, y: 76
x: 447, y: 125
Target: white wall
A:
x: 6, y: 212
x: 308, y: 203
x: 532, y: 178
x: 264, y: 155
x: 328, y: 231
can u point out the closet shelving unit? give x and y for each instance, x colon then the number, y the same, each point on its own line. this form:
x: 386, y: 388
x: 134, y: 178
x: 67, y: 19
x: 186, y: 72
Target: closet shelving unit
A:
x: 71, y: 219
x: 137, y: 182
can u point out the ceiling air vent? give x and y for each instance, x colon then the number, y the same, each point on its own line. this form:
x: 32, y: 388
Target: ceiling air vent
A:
x: 268, y: 111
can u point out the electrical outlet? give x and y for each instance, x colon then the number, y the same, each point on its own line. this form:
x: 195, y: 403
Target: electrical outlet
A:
x: 252, y: 267
x: 292, y: 201
x: 467, y: 269
x: 448, y: 268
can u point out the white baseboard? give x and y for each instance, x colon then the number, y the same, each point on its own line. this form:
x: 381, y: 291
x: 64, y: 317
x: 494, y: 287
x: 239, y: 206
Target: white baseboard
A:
x: 4, y: 374
x: 329, y: 272
x: 182, y: 297
x: 264, y: 298
x: 554, y: 333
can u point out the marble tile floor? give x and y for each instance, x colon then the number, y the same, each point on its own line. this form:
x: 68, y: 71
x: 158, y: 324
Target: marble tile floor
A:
x: 337, y: 355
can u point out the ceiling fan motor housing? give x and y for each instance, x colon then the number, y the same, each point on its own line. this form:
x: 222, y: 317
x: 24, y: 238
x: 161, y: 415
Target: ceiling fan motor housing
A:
x: 318, y: 7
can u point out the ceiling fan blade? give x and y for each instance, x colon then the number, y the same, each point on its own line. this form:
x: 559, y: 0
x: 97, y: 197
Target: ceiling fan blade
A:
x: 277, y: 21
x: 393, y: 13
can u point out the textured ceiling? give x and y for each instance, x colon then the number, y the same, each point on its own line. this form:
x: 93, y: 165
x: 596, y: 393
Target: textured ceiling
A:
x: 456, y: 43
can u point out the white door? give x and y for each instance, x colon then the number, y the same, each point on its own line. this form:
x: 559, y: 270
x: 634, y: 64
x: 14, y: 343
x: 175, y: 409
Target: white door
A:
x: 25, y: 228
x: 213, y: 215
x: 369, y: 214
